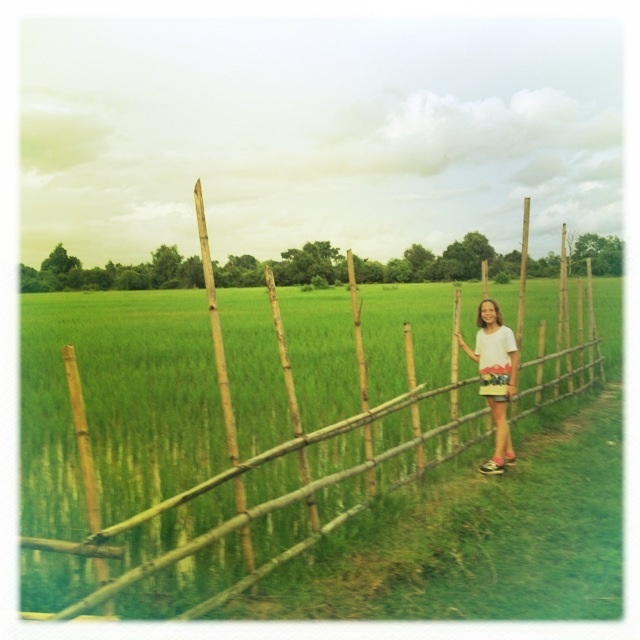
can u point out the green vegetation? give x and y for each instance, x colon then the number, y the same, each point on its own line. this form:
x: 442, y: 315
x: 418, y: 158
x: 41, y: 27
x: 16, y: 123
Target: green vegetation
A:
x: 542, y: 543
x: 148, y: 375
x: 318, y: 262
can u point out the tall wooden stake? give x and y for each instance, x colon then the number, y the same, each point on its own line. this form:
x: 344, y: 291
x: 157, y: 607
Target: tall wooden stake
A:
x: 415, y: 410
x: 223, y: 379
x: 362, y: 370
x: 515, y: 374
x: 454, y: 439
x: 485, y: 279
x: 565, y: 317
x: 580, y: 334
x: 592, y: 319
x: 294, y: 411
x: 561, y: 307
x: 86, y: 459
x: 540, y: 370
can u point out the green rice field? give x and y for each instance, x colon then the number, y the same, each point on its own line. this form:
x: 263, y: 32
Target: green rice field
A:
x: 148, y: 373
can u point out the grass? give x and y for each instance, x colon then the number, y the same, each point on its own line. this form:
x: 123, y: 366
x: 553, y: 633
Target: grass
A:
x: 542, y: 543
x: 149, y: 383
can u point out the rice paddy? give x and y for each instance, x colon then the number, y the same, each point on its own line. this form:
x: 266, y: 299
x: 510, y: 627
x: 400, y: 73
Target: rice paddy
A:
x: 149, y: 382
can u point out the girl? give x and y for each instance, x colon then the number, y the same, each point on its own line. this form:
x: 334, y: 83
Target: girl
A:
x: 495, y: 354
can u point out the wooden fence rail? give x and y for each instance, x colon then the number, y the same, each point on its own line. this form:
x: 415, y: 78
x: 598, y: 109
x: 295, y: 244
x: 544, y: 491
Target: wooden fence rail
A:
x: 243, y: 520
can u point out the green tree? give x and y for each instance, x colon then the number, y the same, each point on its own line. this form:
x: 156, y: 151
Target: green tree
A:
x: 397, y: 270
x: 31, y: 281
x: 131, y: 279
x: 421, y: 261
x: 314, y: 259
x: 191, y: 273
x: 165, y: 265
x: 606, y: 253
x: 467, y: 256
x: 59, y: 261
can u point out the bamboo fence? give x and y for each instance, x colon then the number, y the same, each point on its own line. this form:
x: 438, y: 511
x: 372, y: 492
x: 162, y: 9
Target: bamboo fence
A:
x: 301, y: 441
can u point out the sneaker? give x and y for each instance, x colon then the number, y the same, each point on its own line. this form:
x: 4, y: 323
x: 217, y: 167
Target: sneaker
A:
x: 510, y: 462
x: 491, y: 468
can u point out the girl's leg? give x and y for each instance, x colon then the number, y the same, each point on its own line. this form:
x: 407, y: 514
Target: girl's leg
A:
x: 503, y: 434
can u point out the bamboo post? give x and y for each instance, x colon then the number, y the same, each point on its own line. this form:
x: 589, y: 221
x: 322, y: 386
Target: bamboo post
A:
x: 454, y: 438
x: 415, y: 410
x: 294, y: 411
x: 563, y: 273
x: 223, y: 379
x: 540, y: 369
x: 591, y: 329
x: 592, y: 318
x: 86, y: 459
x: 566, y: 327
x: 362, y: 370
x: 580, y: 335
x: 515, y: 374
x: 485, y: 294
x: 485, y: 279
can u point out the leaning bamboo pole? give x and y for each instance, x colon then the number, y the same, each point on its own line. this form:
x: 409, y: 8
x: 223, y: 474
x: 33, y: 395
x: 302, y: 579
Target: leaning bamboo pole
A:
x: 411, y: 377
x: 86, y: 458
x: 294, y: 411
x: 362, y: 370
x: 73, y: 548
x: 454, y: 438
x: 223, y: 379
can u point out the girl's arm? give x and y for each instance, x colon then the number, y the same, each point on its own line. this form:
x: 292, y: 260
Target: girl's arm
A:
x: 465, y: 347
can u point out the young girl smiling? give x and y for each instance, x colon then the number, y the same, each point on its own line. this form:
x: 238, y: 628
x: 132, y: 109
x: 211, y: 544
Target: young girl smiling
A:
x: 495, y: 354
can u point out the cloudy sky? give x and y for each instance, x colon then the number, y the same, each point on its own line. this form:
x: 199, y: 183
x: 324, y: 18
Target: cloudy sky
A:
x: 371, y: 132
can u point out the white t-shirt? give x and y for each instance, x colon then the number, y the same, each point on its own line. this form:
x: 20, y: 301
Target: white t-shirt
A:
x: 494, y: 349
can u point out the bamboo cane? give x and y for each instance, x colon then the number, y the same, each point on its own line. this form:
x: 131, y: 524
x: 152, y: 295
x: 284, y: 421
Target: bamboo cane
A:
x: 411, y: 376
x: 33, y: 616
x: 294, y: 411
x: 580, y: 333
x: 454, y: 439
x: 223, y: 379
x: 86, y: 458
x: 563, y: 273
x: 592, y: 316
x: 515, y: 374
x: 566, y: 327
x: 485, y: 279
x: 540, y: 370
x: 72, y: 548
x: 362, y: 370
x: 591, y: 330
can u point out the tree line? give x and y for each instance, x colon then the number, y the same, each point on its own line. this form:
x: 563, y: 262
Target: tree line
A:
x: 320, y: 265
